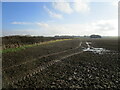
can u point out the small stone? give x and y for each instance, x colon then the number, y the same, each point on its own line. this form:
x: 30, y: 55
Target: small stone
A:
x: 75, y: 73
x: 70, y: 78
x: 53, y: 82
x: 79, y: 79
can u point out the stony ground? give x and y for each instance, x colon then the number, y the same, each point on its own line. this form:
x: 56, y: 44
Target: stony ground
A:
x: 85, y: 70
x: 71, y: 69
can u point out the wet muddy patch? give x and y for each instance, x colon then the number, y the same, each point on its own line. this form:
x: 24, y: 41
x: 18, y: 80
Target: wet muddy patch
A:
x: 95, y: 50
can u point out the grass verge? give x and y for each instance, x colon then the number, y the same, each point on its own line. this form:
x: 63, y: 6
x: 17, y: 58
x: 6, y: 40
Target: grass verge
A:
x: 32, y: 45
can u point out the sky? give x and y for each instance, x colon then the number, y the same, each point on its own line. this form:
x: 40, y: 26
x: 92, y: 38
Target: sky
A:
x: 60, y: 18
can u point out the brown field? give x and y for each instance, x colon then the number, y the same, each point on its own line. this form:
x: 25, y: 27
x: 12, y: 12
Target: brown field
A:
x: 64, y: 64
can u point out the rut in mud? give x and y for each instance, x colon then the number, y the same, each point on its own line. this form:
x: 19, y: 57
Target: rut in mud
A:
x: 37, y: 66
x: 27, y: 62
x: 84, y: 66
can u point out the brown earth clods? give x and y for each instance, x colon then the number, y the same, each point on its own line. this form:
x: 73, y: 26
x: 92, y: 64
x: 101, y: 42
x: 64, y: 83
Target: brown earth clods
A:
x: 85, y: 70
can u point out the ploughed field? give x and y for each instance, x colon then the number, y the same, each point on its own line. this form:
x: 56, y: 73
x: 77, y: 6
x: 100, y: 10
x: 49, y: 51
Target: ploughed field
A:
x: 76, y: 63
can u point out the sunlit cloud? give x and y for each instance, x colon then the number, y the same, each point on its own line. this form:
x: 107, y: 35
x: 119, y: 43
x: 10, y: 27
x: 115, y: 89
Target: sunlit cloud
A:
x: 102, y: 27
x: 75, y: 6
x: 21, y: 23
x: 63, y: 7
x: 115, y: 3
x: 81, y: 6
x: 43, y: 24
x: 53, y: 14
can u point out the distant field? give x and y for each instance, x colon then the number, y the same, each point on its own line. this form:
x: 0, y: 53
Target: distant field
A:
x: 19, y: 41
x: 108, y: 43
x: 66, y: 63
x: 15, y: 49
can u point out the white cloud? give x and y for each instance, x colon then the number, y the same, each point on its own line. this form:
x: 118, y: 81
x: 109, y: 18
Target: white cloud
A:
x: 115, y: 3
x: 106, y: 27
x: 75, y: 6
x: 63, y: 7
x: 43, y: 24
x: 106, y: 24
x: 101, y: 27
x: 20, y: 32
x: 53, y: 14
x: 81, y: 6
x: 21, y: 23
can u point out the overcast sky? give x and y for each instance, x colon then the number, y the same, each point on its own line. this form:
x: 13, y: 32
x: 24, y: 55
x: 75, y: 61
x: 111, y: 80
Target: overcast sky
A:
x: 60, y: 18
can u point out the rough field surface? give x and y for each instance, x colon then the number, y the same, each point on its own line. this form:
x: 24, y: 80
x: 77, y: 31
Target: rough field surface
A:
x: 65, y: 64
x: 17, y: 41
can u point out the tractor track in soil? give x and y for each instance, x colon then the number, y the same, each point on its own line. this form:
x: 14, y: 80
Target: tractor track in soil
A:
x: 62, y: 56
x: 42, y: 67
x: 41, y: 57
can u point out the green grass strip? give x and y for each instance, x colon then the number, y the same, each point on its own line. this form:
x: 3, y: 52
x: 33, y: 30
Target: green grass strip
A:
x: 32, y: 45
